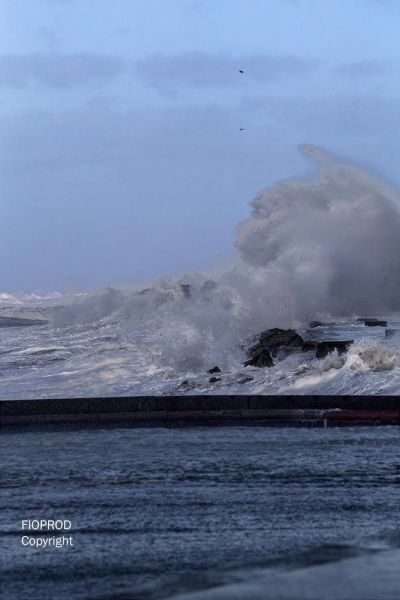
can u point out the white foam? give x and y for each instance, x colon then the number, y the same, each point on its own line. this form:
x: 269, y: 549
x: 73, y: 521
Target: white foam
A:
x: 325, y: 245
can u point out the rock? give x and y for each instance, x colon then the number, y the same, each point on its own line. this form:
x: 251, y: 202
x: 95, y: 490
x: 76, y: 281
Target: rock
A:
x: 245, y: 380
x: 326, y: 347
x: 276, y: 339
x: 372, y: 322
x: 214, y: 379
x: 261, y: 359
x: 186, y: 289
x: 391, y: 332
x: 214, y: 370
x: 314, y: 324
x: 208, y: 286
x: 17, y: 316
x: 187, y: 384
x: 270, y: 343
x: 309, y: 346
x: 18, y: 322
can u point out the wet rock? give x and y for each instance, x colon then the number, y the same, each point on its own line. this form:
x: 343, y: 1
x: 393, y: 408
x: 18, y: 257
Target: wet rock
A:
x: 309, y: 346
x: 367, y: 319
x: 314, y: 324
x: 187, y: 384
x: 260, y: 359
x: 271, y: 343
x: 326, y: 347
x: 245, y: 380
x: 13, y: 316
x: 391, y: 332
x: 214, y: 370
x: 275, y: 339
x: 186, y: 289
x: 17, y: 322
x: 208, y: 286
x: 143, y: 292
x: 372, y: 322
x: 214, y: 379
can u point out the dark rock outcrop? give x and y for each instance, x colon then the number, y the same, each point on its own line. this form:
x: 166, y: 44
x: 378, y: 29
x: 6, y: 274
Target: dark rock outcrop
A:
x: 327, y: 346
x: 187, y: 384
x: 19, y: 322
x: 208, y: 286
x: 186, y: 289
x: 309, y: 346
x: 260, y: 359
x: 271, y: 343
x: 372, y: 322
x: 314, y: 324
x: 391, y: 332
x: 214, y: 379
x: 365, y: 319
x: 214, y: 370
x: 245, y: 379
x: 280, y: 342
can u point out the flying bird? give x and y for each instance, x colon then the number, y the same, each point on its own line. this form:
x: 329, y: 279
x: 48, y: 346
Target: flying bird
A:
x: 240, y: 71
x: 242, y: 129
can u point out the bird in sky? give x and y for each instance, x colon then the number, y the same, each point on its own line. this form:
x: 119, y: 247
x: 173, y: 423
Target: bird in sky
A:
x: 240, y: 71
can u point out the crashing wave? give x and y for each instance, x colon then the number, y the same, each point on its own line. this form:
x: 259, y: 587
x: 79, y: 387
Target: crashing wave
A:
x: 327, y: 245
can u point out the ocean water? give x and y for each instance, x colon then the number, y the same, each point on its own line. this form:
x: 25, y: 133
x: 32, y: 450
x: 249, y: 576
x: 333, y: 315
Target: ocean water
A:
x: 158, y: 512
x: 104, y: 357
x: 324, y: 247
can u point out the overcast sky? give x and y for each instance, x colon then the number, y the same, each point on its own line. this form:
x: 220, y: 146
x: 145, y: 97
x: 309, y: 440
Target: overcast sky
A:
x: 121, y: 151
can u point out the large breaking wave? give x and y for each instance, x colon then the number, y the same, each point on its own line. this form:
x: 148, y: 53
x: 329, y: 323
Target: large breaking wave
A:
x: 326, y: 245
x: 332, y: 242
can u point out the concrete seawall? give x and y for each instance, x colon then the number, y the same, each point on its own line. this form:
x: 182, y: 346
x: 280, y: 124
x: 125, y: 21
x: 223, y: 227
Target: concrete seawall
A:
x: 187, y: 411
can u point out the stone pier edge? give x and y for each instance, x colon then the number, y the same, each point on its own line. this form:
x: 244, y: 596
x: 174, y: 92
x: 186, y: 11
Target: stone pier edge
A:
x: 201, y: 410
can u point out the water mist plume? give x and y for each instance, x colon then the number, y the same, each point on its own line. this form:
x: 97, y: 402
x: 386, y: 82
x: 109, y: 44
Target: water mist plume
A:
x: 326, y: 245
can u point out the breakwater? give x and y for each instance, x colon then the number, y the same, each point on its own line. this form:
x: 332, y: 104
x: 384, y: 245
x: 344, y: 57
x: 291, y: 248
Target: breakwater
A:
x: 202, y: 410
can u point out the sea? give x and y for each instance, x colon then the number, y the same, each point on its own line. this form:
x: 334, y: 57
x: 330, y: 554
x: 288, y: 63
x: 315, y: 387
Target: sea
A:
x: 163, y: 513
x: 324, y: 247
x: 160, y: 513
x: 115, y: 355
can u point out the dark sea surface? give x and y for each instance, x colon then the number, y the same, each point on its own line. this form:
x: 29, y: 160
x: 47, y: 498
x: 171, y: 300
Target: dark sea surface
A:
x: 156, y: 512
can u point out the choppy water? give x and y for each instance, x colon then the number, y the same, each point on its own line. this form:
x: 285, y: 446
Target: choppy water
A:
x: 106, y: 358
x: 155, y: 512
x: 322, y: 245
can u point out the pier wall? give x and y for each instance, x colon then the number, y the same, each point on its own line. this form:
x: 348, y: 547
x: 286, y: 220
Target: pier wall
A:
x: 186, y: 411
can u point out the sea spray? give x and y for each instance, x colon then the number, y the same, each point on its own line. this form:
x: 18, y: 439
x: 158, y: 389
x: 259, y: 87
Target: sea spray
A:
x: 332, y: 242
x: 326, y: 245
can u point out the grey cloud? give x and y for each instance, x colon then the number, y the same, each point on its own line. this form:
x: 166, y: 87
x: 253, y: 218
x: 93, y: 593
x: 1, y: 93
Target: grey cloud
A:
x: 363, y: 116
x: 100, y: 135
x: 364, y: 68
x: 89, y: 193
x: 48, y: 38
x: 57, y: 70
x: 200, y: 69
